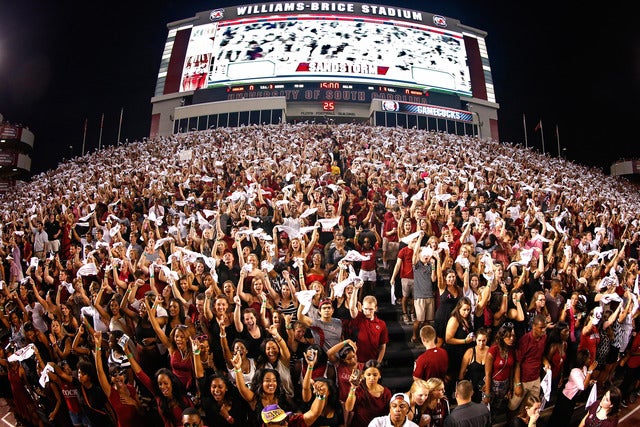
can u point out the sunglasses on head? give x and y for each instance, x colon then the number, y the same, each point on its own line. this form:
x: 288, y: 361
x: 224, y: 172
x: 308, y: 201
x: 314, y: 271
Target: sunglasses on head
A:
x: 202, y: 338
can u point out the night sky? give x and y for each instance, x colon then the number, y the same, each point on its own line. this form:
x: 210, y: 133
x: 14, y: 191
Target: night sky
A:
x: 577, y: 67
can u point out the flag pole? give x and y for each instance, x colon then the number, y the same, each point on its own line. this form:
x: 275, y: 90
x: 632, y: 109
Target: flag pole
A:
x: 524, y: 124
x: 120, y: 125
x: 542, y: 135
x: 101, y: 126
x: 84, y: 135
x: 558, y: 139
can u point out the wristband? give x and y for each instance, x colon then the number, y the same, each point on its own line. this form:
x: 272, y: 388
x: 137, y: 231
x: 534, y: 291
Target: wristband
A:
x: 589, y: 372
x: 320, y: 397
x: 153, y: 307
x: 288, y: 326
x: 309, y: 368
x: 129, y: 355
x: 517, y: 384
x: 345, y: 343
x: 98, y: 348
x: 230, y: 419
x: 223, y: 336
x: 238, y: 371
x: 196, y: 352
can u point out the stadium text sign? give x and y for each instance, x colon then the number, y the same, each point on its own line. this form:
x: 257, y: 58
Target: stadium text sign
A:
x: 365, y: 9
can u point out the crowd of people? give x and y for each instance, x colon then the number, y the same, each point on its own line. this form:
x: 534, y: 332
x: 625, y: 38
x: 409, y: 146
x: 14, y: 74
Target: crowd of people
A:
x: 228, y: 277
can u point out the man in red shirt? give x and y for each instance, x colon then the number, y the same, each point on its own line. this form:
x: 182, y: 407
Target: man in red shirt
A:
x: 433, y: 363
x: 390, y: 243
x: 529, y: 361
x: 404, y: 265
x: 369, y: 331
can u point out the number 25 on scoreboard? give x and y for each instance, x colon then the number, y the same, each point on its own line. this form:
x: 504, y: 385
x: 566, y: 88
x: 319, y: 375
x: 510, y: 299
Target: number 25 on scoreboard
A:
x: 328, y: 106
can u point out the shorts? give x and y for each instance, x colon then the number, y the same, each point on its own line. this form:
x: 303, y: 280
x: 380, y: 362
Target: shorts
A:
x: 390, y: 249
x: 407, y: 287
x: 52, y: 246
x: 79, y: 418
x: 425, y: 309
x: 368, y: 275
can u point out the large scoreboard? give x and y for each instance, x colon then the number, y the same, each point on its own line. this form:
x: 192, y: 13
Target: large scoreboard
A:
x: 325, y: 52
x: 280, y: 42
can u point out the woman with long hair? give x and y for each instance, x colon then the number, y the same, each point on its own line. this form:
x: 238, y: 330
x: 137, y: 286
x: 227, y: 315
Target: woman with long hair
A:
x: 459, y: 336
x: 265, y: 389
x: 473, y: 361
x: 449, y: 294
x: 121, y: 395
x: 604, y: 412
x: 556, y: 352
x: 529, y: 413
x: 179, y: 346
x: 343, y: 357
x: 499, y: 365
x: 418, y: 394
x: 169, y: 392
x: 367, y: 398
x: 436, y: 406
x: 538, y: 305
x: 332, y: 414
x: 222, y: 403
x: 274, y: 354
x: 579, y: 379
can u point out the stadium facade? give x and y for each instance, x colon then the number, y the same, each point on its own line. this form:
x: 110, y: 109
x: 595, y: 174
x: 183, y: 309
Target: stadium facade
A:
x: 16, y: 146
x: 266, y: 63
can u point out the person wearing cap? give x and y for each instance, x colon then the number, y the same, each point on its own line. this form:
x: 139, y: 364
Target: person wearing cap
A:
x: 467, y: 413
x: 398, y: 411
x: 274, y: 415
x: 330, y: 326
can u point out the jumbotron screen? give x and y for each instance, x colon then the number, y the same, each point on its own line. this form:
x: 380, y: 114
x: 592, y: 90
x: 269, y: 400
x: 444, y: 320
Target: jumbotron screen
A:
x: 317, y: 41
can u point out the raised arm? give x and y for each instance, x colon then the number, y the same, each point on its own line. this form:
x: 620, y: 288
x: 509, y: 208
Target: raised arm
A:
x: 102, y: 377
x: 151, y: 312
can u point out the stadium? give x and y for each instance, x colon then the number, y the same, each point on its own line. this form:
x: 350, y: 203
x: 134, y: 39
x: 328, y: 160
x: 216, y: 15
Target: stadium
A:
x: 344, y: 62
x: 323, y: 116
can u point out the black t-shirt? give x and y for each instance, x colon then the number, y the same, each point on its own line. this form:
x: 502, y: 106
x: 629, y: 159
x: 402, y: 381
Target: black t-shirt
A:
x: 52, y: 228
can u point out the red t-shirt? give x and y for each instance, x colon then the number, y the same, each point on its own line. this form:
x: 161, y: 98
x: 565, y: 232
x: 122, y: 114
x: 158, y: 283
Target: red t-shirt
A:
x: 406, y: 267
x: 432, y: 363
x: 371, y: 334
x: 530, y: 352
x: 502, y: 368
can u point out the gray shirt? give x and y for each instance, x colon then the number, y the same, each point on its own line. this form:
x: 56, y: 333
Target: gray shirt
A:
x: 422, y: 283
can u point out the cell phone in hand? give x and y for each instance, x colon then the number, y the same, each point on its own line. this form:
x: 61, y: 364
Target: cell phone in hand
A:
x: 122, y: 342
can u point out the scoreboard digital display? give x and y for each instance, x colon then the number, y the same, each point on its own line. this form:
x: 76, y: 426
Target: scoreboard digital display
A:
x: 307, y: 43
x: 327, y: 91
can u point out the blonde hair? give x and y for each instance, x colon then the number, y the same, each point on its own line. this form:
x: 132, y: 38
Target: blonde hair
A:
x: 418, y: 384
x: 432, y: 384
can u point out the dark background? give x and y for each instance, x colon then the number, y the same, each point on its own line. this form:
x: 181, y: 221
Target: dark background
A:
x: 574, y: 66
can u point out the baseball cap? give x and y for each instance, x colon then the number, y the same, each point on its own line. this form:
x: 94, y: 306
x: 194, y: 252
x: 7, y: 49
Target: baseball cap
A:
x: 401, y: 396
x: 273, y: 414
x: 284, y: 235
x: 352, y: 217
x: 324, y: 301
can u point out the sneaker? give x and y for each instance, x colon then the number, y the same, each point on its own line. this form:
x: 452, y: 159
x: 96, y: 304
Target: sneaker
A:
x: 413, y: 317
x: 624, y: 404
x: 405, y: 319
